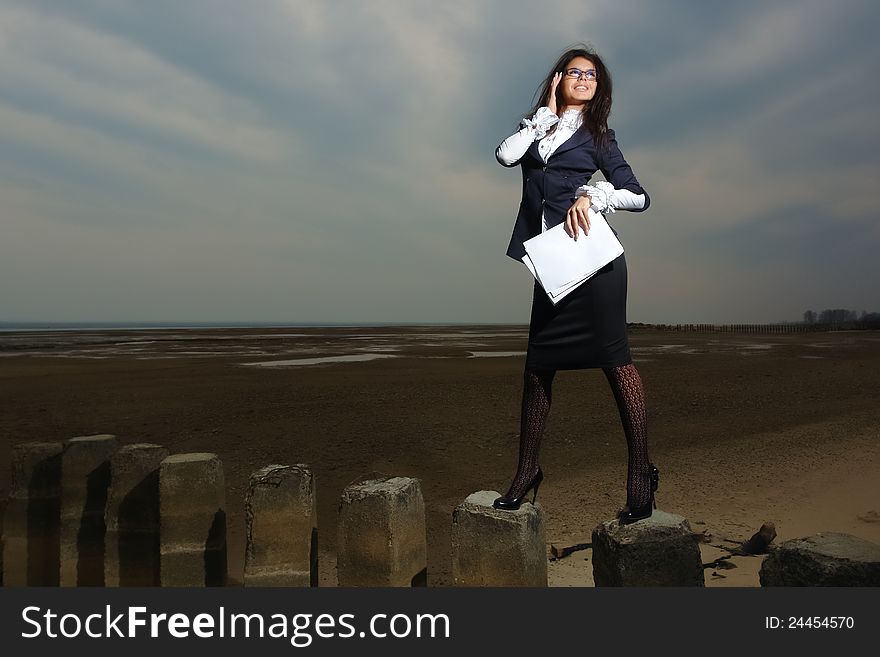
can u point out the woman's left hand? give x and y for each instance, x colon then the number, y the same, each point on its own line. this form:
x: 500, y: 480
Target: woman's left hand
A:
x: 577, y: 216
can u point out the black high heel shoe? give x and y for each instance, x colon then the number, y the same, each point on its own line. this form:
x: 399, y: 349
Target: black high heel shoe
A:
x: 642, y: 512
x: 513, y: 503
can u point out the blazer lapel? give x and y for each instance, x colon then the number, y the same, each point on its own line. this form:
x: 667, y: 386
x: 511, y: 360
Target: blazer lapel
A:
x: 580, y: 136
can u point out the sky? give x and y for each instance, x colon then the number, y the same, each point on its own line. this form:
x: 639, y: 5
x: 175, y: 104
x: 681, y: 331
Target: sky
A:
x: 334, y: 162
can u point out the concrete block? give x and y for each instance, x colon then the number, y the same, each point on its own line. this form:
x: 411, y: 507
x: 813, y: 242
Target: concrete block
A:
x: 495, y: 547
x: 132, y: 516
x: 282, y: 527
x: 382, y: 534
x: 824, y: 559
x: 32, y: 516
x: 85, y: 480
x: 658, y: 551
x: 192, y: 513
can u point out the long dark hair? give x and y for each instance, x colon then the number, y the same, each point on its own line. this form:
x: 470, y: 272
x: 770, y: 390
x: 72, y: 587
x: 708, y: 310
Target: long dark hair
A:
x: 596, y: 110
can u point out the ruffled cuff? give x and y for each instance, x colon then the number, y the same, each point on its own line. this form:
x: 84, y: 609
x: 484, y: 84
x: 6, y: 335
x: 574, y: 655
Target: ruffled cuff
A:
x: 543, y: 120
x: 601, y: 195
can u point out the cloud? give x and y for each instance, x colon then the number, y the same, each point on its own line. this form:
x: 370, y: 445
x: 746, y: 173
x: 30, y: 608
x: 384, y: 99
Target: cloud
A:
x: 61, y: 68
x: 339, y: 157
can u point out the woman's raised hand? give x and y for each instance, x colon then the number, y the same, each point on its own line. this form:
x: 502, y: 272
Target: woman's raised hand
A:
x: 551, y: 102
x: 577, y: 216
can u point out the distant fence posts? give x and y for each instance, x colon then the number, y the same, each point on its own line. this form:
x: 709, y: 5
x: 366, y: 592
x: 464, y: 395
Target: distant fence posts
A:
x: 753, y: 328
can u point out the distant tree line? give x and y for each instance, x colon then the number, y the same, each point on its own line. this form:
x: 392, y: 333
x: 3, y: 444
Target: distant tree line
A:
x: 843, y: 318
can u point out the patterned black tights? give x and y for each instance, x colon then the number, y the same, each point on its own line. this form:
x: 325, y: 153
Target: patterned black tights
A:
x: 537, y: 394
x: 626, y: 384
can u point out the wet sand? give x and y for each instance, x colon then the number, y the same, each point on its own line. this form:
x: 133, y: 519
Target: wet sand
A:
x: 744, y: 428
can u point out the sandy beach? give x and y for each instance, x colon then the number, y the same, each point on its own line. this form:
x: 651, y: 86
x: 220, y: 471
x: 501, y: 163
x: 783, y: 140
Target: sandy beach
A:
x: 745, y: 428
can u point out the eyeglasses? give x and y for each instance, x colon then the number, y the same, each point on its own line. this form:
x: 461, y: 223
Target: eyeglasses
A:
x: 589, y: 74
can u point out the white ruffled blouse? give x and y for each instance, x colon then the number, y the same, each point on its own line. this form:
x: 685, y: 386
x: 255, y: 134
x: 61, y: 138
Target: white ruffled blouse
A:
x: 604, y: 197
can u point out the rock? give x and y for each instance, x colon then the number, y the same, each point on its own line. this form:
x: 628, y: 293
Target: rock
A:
x: 824, y: 559
x: 759, y: 541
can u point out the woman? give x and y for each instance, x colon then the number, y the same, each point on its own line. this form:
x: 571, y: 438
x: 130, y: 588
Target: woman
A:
x: 559, y: 149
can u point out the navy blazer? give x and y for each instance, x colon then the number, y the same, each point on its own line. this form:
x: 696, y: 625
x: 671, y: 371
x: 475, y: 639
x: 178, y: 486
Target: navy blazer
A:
x: 550, y: 187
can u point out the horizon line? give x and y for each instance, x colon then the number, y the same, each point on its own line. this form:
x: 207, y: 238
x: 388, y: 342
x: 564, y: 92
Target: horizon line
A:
x: 8, y: 325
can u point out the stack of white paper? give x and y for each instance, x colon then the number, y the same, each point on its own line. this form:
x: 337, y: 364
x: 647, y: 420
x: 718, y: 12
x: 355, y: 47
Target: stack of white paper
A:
x: 560, y: 263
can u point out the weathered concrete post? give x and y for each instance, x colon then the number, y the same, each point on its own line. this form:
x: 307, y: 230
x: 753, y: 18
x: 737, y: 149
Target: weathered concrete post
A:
x: 657, y: 551
x: 382, y: 534
x: 132, y: 517
x: 33, y: 515
x: 85, y: 478
x: 282, y: 527
x: 495, y: 547
x: 192, y: 513
x: 824, y: 559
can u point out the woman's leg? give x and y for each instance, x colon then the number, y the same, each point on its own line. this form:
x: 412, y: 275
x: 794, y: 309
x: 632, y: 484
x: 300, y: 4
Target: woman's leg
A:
x: 537, y: 394
x: 630, y: 396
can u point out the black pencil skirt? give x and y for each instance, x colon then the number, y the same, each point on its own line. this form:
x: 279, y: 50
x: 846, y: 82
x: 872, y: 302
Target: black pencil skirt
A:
x: 586, y: 329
